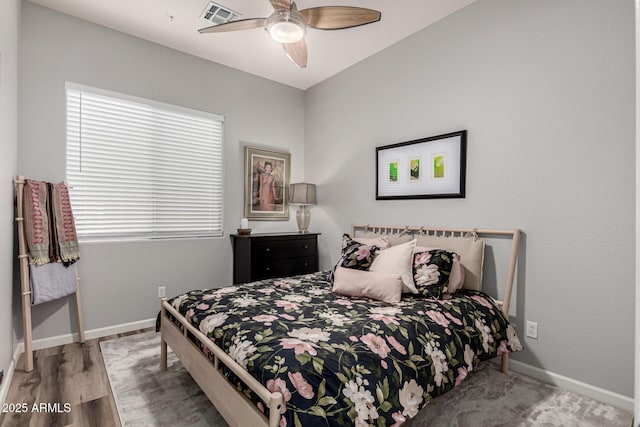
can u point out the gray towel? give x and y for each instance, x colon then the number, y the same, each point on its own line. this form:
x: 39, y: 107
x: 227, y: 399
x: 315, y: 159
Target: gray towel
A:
x: 51, y: 281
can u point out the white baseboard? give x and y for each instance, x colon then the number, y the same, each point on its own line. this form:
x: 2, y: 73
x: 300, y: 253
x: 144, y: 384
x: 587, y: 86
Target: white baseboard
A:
x: 68, y: 339
x: 89, y: 334
x: 6, y: 380
x: 584, y: 389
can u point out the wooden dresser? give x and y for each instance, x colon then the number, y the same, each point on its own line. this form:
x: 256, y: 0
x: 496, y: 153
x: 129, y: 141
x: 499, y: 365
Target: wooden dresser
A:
x: 269, y: 255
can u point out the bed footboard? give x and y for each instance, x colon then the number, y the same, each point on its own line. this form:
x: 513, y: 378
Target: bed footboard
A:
x: 236, y: 409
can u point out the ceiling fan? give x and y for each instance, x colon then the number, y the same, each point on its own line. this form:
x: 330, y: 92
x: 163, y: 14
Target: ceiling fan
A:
x: 288, y: 25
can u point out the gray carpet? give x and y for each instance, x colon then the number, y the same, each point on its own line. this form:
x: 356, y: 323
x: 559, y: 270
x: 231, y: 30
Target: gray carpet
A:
x: 147, y: 397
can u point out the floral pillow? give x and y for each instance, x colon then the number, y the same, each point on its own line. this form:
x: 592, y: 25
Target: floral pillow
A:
x: 431, y: 271
x: 356, y: 255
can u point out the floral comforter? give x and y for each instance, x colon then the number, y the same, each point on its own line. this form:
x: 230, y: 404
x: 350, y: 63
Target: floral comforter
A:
x: 340, y: 361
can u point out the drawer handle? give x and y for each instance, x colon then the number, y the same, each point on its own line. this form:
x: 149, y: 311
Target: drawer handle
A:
x: 268, y: 269
x: 268, y: 249
x: 306, y: 264
x: 306, y: 246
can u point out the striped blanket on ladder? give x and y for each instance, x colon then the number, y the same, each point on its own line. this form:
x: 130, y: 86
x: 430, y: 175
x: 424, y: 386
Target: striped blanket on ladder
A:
x: 50, y: 229
x: 51, y: 238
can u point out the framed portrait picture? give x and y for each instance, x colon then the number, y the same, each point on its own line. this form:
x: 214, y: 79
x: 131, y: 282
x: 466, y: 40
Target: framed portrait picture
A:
x: 426, y: 168
x: 266, y: 184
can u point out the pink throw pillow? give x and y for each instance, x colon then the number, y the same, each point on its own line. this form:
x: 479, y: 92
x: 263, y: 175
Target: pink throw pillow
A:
x: 370, y: 284
x: 456, y: 279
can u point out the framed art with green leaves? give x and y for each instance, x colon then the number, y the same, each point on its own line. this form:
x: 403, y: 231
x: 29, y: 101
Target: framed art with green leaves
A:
x: 427, y: 168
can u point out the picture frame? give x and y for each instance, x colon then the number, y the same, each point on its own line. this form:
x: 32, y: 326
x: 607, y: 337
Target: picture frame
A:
x: 266, y: 184
x: 426, y: 168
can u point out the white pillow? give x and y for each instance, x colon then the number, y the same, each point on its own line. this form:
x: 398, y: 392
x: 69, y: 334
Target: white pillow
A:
x: 381, y: 242
x: 394, y: 239
x: 397, y: 259
x: 359, y: 283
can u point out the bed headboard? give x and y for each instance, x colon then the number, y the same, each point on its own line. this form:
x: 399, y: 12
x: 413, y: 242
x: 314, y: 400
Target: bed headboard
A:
x: 413, y: 231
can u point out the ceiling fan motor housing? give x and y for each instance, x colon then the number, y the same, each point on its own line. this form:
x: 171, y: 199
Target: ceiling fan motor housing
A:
x: 286, y: 26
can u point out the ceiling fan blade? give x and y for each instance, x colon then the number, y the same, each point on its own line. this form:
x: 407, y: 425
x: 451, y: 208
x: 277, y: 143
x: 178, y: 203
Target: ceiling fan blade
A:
x: 297, y: 52
x: 281, y: 4
x: 339, y: 17
x: 240, y: 24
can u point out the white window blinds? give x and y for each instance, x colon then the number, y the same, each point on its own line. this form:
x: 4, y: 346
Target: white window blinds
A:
x: 142, y: 169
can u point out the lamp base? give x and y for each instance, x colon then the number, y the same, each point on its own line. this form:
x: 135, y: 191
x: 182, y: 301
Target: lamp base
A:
x: 303, y: 217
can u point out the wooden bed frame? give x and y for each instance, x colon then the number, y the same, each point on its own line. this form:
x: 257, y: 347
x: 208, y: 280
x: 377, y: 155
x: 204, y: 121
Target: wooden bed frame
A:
x: 234, y: 406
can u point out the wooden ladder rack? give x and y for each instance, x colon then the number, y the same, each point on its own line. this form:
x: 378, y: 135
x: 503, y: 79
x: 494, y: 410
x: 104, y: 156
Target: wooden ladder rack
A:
x: 24, y: 281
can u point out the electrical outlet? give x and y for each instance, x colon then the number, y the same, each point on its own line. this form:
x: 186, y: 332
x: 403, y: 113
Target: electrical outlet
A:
x: 532, y: 329
x: 161, y: 291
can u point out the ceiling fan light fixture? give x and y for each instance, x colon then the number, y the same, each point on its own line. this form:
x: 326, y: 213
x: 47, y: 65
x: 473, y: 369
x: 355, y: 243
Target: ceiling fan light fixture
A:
x: 286, y: 26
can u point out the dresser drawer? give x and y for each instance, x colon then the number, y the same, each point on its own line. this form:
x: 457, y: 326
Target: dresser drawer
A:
x: 266, y: 256
x: 267, y: 268
x: 282, y: 267
x: 275, y: 249
x: 306, y: 264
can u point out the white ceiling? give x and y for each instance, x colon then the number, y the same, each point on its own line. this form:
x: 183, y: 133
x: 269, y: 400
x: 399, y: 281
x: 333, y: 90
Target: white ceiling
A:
x: 174, y: 23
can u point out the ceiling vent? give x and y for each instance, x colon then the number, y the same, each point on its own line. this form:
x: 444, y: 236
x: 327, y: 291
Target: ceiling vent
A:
x: 219, y: 14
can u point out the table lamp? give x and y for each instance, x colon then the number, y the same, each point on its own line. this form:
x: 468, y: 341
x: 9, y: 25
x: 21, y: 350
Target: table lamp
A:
x: 303, y: 194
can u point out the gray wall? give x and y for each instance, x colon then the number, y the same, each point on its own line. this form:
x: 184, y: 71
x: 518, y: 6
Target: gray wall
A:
x: 636, y: 407
x: 120, y: 279
x: 545, y: 89
x: 9, y: 28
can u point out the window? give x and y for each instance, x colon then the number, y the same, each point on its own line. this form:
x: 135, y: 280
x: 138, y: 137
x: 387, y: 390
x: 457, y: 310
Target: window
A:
x: 142, y: 169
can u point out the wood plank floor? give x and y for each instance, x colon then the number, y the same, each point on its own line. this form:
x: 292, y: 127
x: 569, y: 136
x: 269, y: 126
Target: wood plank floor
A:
x: 72, y: 374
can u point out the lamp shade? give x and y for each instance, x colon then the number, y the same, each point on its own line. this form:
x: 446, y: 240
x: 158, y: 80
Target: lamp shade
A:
x: 302, y: 194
